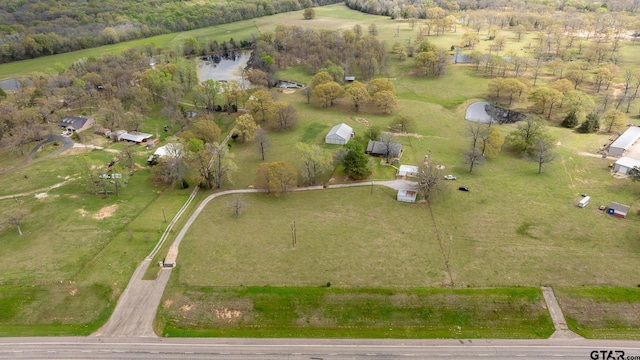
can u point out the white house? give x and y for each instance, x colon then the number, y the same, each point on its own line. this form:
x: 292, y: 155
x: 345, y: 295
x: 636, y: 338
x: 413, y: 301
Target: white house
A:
x: 624, y: 164
x: 407, y: 170
x: 624, y: 141
x: 339, y: 134
x: 406, y: 195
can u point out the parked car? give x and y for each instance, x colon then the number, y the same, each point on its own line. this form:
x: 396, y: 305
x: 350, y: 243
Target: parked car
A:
x: 463, y: 188
x: 449, y: 177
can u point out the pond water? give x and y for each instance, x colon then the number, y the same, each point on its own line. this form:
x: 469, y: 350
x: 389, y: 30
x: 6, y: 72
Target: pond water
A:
x: 477, y: 112
x: 489, y: 113
x: 223, y: 67
x: 11, y: 84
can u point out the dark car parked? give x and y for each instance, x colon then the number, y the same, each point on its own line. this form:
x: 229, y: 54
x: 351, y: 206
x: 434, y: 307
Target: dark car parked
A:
x: 463, y: 188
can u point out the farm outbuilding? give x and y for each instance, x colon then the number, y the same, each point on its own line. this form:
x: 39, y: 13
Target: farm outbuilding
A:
x: 617, y: 209
x: 136, y: 137
x: 624, y: 141
x: 339, y: 134
x: 624, y: 164
x: 406, y: 195
x: 407, y: 170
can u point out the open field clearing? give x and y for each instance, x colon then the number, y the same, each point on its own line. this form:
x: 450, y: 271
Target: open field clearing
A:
x: 353, y: 238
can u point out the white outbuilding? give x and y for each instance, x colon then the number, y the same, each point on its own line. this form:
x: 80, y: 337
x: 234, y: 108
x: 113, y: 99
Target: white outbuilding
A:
x: 406, y: 195
x: 407, y: 170
x: 339, y: 134
x: 624, y: 141
x: 624, y: 164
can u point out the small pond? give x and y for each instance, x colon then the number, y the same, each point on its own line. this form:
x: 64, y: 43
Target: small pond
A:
x: 223, y: 67
x: 11, y: 84
x: 485, y: 112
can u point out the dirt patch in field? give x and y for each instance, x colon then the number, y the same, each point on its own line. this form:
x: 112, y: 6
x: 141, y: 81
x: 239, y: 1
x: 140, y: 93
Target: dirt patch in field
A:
x: 105, y: 212
x: 167, y: 304
x: 418, y: 136
x: 288, y: 91
x: 41, y: 195
x: 362, y: 121
x: 73, y: 292
x: 227, y: 314
x: 82, y: 212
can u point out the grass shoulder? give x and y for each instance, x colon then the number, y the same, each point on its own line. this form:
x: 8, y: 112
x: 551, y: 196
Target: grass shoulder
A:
x: 355, y: 313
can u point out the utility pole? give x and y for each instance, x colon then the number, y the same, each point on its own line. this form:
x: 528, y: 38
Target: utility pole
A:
x: 294, y: 235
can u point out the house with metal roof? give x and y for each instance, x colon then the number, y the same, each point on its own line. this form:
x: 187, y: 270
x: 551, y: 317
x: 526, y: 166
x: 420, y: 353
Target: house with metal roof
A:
x: 624, y: 141
x: 339, y: 134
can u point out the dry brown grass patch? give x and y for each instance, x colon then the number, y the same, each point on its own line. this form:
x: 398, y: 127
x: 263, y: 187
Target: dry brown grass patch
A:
x: 105, y: 212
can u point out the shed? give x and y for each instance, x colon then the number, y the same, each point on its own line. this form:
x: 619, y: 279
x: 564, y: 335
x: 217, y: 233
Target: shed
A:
x: 378, y: 148
x: 136, y: 137
x: 170, y: 259
x: 624, y: 164
x: 76, y: 123
x: 407, y: 170
x: 406, y: 195
x: 617, y: 209
x: 339, y: 134
x: 624, y: 141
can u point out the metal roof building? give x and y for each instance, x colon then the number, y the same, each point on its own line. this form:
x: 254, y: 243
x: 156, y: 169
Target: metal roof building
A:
x: 624, y: 141
x: 339, y: 134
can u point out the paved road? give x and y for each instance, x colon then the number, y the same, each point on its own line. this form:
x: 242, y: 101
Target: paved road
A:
x: 299, y: 349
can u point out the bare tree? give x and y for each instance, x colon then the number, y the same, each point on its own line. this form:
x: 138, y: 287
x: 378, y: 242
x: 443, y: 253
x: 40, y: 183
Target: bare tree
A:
x: 473, y: 157
x: 542, y: 151
x: 262, y: 138
x: 15, y: 218
x: 388, y: 141
x: 430, y: 180
x: 237, y: 204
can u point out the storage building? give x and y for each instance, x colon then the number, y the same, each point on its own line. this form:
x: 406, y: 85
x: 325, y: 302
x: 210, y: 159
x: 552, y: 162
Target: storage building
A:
x: 624, y: 164
x: 339, y: 134
x: 617, y: 209
x: 624, y: 141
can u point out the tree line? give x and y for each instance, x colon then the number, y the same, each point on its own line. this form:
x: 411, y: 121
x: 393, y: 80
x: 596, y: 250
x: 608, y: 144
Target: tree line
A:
x: 30, y: 29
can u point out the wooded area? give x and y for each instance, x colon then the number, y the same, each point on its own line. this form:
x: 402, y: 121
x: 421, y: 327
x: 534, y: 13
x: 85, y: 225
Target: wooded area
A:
x: 30, y: 29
